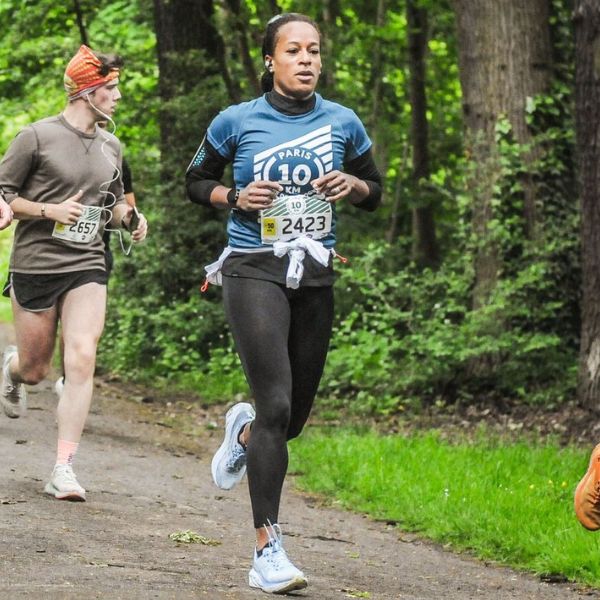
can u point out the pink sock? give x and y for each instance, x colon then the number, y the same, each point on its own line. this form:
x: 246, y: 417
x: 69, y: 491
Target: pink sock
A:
x: 66, y: 452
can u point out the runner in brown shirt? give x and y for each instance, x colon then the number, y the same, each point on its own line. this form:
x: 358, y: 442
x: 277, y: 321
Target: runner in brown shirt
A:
x: 61, y: 177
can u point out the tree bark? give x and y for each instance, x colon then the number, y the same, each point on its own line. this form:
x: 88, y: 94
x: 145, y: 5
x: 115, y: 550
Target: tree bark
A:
x: 504, y: 58
x: 587, y: 118
x: 275, y: 8
x: 83, y: 35
x: 377, y: 85
x: 239, y: 22
x: 331, y: 11
x: 425, y: 248
x: 185, y: 42
x: 191, y: 94
x: 391, y: 235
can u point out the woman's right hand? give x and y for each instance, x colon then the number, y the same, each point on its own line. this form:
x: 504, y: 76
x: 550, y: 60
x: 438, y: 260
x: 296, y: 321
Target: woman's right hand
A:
x: 258, y: 195
x: 68, y: 211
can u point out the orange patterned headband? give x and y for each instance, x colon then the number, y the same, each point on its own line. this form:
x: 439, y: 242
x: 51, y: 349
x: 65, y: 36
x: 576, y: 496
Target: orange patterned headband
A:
x: 82, y: 75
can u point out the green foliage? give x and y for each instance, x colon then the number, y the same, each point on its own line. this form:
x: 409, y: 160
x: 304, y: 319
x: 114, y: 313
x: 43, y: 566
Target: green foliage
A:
x: 183, y: 344
x: 162, y: 337
x: 35, y: 50
x: 191, y: 537
x: 510, y: 502
x: 408, y: 337
x: 403, y: 337
x: 5, y: 244
x: 414, y: 338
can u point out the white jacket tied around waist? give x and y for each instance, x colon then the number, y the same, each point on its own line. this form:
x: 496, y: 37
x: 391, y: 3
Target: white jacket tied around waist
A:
x: 296, y: 249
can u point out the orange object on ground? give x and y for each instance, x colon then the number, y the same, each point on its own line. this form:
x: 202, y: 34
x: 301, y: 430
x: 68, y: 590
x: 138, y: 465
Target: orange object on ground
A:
x: 587, y: 494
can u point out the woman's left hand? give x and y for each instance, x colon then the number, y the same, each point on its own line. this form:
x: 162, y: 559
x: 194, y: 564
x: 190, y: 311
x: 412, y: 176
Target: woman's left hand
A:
x: 335, y: 185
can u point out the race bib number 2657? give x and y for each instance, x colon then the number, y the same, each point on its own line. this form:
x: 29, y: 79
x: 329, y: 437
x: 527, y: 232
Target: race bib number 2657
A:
x: 82, y: 232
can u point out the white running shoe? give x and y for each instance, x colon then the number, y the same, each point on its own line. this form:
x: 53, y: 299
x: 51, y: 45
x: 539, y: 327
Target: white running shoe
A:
x: 64, y: 485
x: 272, y: 571
x: 59, y: 386
x: 229, y: 462
x: 13, y: 396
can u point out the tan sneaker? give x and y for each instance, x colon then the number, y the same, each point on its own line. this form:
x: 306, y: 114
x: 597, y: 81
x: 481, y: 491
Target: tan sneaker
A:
x: 587, y: 494
x: 63, y: 484
x: 13, y: 396
x: 59, y: 386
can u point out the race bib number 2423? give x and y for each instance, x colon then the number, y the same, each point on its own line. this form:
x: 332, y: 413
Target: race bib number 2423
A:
x: 293, y: 216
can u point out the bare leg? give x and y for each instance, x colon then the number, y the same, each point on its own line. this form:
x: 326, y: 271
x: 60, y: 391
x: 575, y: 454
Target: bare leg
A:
x: 82, y: 316
x: 36, y: 333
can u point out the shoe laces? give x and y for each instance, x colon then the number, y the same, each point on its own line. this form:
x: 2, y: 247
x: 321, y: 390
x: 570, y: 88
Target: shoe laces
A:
x: 273, y: 552
x: 237, y: 458
x: 66, y: 472
x: 11, y: 391
x: 595, y: 495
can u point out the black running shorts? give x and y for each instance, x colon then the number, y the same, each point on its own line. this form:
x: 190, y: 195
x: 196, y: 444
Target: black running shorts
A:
x: 42, y: 292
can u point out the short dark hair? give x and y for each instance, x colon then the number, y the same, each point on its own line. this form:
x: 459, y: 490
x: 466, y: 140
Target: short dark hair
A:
x: 109, y: 62
x: 270, y: 40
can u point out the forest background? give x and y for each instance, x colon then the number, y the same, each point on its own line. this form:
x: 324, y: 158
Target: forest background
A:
x: 474, y: 286
x: 466, y: 285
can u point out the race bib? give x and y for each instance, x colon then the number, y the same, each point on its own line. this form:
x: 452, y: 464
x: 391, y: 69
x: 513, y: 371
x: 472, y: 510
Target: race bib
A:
x: 82, y: 232
x: 292, y: 216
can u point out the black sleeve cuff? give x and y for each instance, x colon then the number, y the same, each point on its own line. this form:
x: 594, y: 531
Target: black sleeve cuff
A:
x: 199, y: 191
x: 204, y: 173
x: 373, y: 200
x: 364, y: 168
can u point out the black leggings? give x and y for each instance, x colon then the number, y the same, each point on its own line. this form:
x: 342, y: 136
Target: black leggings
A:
x: 282, y: 336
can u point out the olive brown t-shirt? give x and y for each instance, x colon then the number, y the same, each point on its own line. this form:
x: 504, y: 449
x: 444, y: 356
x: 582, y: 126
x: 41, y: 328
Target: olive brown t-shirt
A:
x: 49, y: 161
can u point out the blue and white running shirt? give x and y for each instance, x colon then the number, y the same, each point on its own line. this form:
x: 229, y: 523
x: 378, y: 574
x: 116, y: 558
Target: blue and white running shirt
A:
x: 265, y: 144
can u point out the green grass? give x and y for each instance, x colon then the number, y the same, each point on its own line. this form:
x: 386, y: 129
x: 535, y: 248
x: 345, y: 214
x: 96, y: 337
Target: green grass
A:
x: 507, y: 501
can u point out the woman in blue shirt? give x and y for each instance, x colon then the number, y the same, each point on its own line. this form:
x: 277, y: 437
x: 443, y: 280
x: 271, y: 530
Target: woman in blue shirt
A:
x: 294, y: 155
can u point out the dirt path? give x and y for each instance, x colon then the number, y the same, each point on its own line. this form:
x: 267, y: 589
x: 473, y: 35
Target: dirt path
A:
x: 144, y: 482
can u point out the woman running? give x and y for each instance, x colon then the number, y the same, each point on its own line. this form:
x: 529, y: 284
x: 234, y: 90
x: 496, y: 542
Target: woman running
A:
x: 295, y: 155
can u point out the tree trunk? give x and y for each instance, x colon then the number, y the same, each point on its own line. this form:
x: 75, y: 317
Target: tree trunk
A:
x: 331, y: 11
x: 266, y: 11
x: 391, y: 235
x: 83, y: 35
x: 233, y: 87
x: 504, y: 58
x: 587, y: 117
x: 239, y: 22
x: 425, y: 249
x: 191, y: 94
x: 377, y: 85
x: 185, y: 42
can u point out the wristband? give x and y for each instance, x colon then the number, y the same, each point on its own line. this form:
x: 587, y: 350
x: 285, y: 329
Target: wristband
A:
x: 43, y: 211
x: 233, y: 196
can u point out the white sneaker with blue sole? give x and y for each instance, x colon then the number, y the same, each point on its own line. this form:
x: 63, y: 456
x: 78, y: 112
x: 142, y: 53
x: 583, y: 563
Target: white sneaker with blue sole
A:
x: 272, y: 571
x: 229, y: 462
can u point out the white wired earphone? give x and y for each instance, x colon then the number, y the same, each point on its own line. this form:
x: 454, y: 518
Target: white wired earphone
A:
x: 107, y: 183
